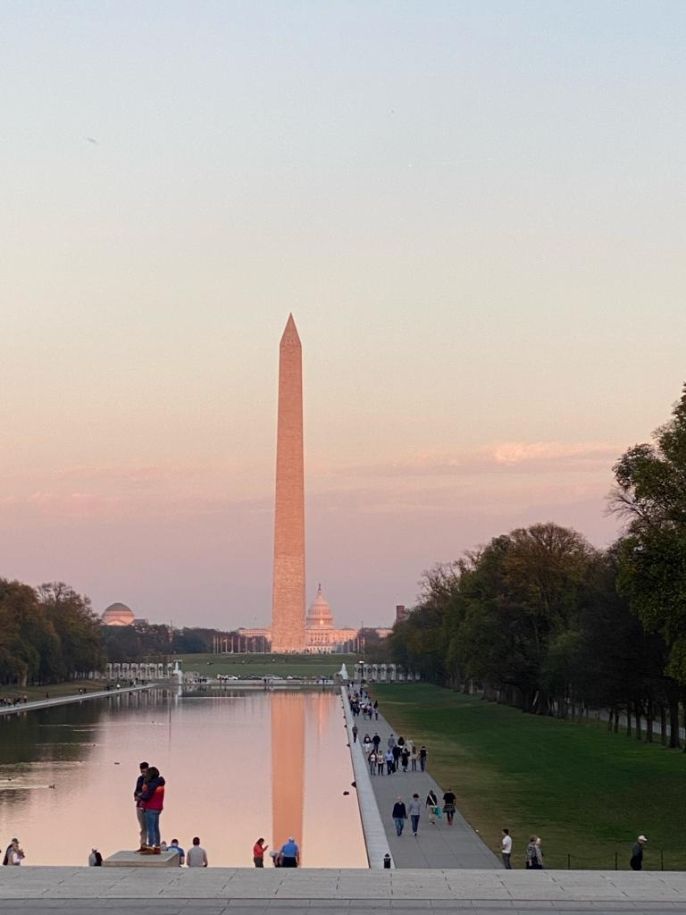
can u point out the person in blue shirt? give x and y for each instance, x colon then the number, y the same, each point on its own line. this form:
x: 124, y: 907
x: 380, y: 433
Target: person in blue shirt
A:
x: 290, y: 853
x: 179, y: 851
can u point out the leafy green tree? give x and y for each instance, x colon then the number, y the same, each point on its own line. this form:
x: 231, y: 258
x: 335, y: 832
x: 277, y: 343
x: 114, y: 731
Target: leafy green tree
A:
x: 140, y: 642
x: 76, y: 626
x: 523, y: 594
x: 651, y: 494
x: 29, y: 646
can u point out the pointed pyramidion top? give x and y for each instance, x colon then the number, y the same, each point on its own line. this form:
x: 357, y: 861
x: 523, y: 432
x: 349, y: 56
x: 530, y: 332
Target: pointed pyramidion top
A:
x: 290, y: 334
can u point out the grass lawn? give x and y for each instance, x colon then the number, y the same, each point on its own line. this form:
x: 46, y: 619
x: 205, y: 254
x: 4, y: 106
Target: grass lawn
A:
x: 53, y: 690
x: 261, y: 665
x: 586, y: 792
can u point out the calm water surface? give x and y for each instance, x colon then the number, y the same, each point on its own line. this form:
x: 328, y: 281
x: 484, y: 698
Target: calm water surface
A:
x: 238, y: 765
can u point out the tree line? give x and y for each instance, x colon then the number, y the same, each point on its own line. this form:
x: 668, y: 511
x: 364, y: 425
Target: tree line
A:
x: 51, y: 634
x: 47, y: 634
x: 542, y: 620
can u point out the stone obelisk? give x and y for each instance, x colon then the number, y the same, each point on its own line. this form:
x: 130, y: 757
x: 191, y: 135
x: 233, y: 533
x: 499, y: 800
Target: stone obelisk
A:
x: 288, y: 596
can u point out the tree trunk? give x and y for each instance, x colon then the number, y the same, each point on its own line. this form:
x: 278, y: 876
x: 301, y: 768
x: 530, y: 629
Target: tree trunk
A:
x: 674, y: 741
x: 628, y: 719
x: 638, y: 720
x: 650, y: 715
x: 616, y: 727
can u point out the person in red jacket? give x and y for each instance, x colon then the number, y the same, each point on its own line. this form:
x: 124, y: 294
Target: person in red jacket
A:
x: 152, y: 801
x: 258, y: 850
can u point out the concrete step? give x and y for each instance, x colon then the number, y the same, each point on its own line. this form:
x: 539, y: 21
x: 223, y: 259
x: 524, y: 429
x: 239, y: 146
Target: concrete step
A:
x: 134, y: 859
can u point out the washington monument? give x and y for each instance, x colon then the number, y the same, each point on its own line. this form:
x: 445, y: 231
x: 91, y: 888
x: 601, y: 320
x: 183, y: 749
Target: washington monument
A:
x: 288, y: 595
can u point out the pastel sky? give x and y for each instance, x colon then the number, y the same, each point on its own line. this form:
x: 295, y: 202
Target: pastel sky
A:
x: 474, y: 210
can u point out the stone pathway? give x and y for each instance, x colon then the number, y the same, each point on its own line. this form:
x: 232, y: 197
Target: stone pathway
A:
x: 69, y: 699
x: 224, y: 891
x: 439, y: 845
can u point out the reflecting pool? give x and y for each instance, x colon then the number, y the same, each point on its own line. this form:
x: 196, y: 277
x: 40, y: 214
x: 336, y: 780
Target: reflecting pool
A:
x: 238, y: 765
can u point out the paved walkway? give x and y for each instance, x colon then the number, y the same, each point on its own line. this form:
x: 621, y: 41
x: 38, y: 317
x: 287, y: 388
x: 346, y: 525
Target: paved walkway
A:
x: 223, y: 891
x: 73, y: 697
x: 435, y: 846
x: 372, y: 825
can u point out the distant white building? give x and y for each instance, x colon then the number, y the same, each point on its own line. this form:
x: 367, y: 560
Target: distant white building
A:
x: 321, y: 637
x: 321, y: 634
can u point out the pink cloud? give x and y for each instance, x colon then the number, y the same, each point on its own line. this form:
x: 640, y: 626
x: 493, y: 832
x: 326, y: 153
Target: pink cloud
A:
x: 485, y: 479
x: 521, y: 457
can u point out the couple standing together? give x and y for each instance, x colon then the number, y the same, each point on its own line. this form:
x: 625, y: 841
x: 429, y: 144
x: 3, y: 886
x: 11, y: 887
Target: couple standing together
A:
x: 149, y: 797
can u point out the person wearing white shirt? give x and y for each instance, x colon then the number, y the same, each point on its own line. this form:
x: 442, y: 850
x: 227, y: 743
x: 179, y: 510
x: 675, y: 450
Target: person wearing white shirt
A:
x: 197, y: 856
x: 506, y: 849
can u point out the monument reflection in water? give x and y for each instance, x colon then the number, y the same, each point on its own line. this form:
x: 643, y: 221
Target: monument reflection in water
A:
x: 288, y: 768
x: 238, y: 765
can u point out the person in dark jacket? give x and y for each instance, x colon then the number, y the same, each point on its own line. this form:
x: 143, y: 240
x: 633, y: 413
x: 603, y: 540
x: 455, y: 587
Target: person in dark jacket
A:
x: 399, y: 815
x: 396, y: 751
x: 636, y: 861
x: 404, y: 758
x: 140, y: 813
x: 449, y: 805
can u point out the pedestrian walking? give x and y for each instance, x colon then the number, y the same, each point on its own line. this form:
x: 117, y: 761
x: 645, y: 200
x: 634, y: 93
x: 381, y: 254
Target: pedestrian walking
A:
x: 355, y: 733
x: 367, y: 743
x: 534, y: 856
x: 371, y: 760
x: 258, y: 850
x: 95, y: 858
x: 399, y: 815
x: 380, y: 763
x: 405, y: 758
x: 506, y: 849
x: 197, y: 856
x: 390, y: 764
x: 432, y: 804
x: 413, y: 758
x: 449, y: 805
x: 390, y: 743
x: 423, y: 753
x: 414, y: 809
x: 396, y: 751
x: 636, y: 860
x: 376, y: 740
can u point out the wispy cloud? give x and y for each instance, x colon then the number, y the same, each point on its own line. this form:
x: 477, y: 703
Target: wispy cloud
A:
x: 511, y: 473
x: 502, y: 457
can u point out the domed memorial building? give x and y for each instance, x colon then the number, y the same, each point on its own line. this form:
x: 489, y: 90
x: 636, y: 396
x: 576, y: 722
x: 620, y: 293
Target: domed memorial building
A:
x: 118, y: 615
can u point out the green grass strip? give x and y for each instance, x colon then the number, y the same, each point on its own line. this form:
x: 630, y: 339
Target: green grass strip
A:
x: 586, y: 792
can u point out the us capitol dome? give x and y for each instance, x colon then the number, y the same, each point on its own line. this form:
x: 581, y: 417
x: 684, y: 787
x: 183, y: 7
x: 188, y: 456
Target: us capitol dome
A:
x: 321, y: 637
x: 118, y: 615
